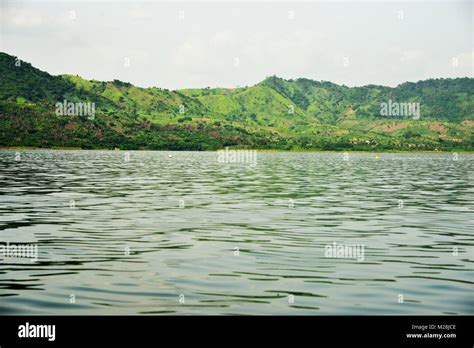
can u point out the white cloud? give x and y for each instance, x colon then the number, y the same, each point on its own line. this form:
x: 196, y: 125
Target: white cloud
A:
x: 410, y: 56
x: 139, y: 12
x: 278, y: 52
x: 30, y: 18
x: 21, y: 18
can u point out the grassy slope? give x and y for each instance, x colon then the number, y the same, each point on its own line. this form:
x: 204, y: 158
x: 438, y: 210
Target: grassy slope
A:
x: 325, y: 115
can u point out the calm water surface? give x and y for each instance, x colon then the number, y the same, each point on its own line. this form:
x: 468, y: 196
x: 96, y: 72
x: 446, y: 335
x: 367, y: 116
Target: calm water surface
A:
x: 234, y: 238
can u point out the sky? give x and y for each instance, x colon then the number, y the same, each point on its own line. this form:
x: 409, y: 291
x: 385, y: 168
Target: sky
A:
x: 239, y: 43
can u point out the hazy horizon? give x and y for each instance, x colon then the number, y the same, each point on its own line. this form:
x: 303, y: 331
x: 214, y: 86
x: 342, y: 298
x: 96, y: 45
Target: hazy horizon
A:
x: 229, y: 45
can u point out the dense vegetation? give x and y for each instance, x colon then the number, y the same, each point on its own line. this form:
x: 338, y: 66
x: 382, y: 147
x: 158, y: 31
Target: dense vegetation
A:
x: 274, y: 114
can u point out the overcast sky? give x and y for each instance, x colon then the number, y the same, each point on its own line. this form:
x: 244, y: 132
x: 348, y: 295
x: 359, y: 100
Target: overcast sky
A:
x: 200, y: 44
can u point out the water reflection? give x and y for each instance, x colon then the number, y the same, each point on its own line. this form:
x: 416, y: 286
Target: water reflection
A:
x: 127, y: 237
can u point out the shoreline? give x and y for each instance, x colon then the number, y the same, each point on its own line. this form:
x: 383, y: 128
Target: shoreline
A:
x: 31, y: 148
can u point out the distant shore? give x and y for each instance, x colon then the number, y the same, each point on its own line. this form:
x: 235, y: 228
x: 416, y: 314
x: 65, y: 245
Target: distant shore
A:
x: 231, y: 148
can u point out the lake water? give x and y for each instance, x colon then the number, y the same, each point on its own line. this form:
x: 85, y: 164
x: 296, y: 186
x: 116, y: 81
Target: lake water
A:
x: 145, y: 233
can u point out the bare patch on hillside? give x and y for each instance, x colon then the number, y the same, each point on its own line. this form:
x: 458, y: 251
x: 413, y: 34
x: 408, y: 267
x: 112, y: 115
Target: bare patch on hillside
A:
x: 438, y: 127
x: 389, y: 128
x: 349, y: 123
x: 468, y: 123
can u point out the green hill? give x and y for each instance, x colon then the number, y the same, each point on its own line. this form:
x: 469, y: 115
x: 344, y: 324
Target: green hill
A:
x: 273, y: 114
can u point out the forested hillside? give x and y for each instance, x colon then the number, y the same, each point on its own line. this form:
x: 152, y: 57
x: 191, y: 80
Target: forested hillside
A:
x: 273, y: 114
